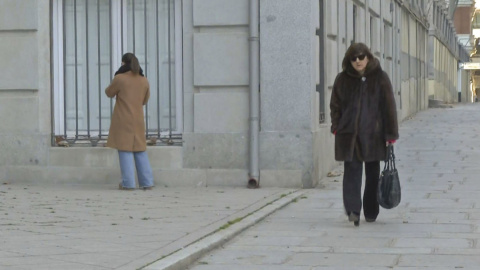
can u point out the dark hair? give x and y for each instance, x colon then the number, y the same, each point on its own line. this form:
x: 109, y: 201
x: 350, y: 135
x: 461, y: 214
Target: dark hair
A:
x: 132, y: 61
x: 354, y: 50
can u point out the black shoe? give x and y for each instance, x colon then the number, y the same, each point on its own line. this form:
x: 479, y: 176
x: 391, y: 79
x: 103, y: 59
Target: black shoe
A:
x: 370, y: 219
x: 355, y: 218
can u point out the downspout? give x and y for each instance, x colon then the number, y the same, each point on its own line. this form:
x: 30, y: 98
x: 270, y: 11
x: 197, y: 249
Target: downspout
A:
x: 52, y: 108
x: 254, y: 54
x: 459, y: 82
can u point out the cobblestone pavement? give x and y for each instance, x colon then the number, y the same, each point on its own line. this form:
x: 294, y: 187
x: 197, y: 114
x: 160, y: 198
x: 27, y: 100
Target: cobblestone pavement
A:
x: 436, y: 226
x: 78, y: 227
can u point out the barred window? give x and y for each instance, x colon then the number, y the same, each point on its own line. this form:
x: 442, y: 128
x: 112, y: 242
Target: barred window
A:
x: 89, y: 39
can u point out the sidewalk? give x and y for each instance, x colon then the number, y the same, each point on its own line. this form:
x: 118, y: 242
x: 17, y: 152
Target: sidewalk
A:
x: 436, y: 226
x: 103, y: 228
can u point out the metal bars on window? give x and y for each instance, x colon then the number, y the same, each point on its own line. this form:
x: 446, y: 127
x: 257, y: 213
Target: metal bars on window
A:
x: 153, y: 23
x: 90, y: 36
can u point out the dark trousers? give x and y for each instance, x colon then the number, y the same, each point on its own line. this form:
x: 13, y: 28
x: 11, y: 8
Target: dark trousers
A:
x: 352, y: 187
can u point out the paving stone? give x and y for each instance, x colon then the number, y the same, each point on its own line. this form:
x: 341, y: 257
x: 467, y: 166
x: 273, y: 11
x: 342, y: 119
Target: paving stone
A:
x: 350, y: 241
x: 247, y: 257
x: 342, y: 260
x: 250, y: 267
x: 453, y: 261
x: 434, y: 243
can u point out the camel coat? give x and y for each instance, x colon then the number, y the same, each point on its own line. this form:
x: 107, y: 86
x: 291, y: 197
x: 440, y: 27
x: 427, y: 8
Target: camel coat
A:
x: 127, y: 129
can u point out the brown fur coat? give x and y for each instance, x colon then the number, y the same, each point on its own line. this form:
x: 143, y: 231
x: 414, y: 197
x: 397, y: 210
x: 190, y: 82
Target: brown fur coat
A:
x: 364, y: 114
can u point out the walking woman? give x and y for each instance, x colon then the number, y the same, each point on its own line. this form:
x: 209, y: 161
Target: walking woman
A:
x: 127, y: 129
x: 364, y: 121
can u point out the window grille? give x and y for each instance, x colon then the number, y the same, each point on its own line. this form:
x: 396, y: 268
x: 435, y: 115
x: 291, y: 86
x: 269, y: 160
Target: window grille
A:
x: 89, y: 39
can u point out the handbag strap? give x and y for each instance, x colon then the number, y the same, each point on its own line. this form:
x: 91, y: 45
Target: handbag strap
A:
x: 386, y: 166
x: 390, y: 159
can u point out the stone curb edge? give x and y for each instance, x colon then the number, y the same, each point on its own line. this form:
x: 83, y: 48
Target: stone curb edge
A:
x: 185, y: 257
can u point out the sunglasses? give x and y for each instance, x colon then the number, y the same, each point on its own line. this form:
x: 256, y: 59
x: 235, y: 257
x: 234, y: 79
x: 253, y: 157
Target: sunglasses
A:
x: 360, y: 57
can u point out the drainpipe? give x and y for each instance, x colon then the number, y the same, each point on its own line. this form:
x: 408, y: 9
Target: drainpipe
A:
x: 254, y: 54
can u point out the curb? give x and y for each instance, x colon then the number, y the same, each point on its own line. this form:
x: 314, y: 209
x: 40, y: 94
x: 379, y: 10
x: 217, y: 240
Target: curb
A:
x: 185, y: 257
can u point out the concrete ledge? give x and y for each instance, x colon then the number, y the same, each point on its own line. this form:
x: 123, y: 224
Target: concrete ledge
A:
x: 215, y: 150
x: 62, y: 175
x: 70, y: 175
x: 164, y: 157
x: 224, y: 178
x: 74, y: 175
x: 436, y: 103
x: 180, y: 178
x: 281, y: 178
x: 161, y: 157
x: 185, y: 257
x: 201, y: 178
x: 2, y: 174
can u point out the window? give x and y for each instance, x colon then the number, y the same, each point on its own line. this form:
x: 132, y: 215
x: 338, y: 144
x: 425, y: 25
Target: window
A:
x: 371, y: 32
x: 388, y: 49
x: 375, y: 35
x: 89, y: 38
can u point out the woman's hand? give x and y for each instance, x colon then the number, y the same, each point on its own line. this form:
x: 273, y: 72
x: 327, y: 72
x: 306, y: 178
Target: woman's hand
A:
x: 389, y: 142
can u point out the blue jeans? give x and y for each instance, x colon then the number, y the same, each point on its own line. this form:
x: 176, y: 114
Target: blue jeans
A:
x: 142, y: 164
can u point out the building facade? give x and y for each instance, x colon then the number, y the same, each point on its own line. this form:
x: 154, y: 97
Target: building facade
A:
x: 240, y: 88
x: 462, y: 20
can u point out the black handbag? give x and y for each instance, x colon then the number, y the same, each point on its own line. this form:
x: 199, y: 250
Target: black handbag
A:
x: 389, y: 192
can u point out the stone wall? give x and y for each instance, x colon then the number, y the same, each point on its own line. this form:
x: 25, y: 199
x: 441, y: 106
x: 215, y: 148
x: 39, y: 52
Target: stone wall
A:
x: 24, y: 83
x: 298, y: 65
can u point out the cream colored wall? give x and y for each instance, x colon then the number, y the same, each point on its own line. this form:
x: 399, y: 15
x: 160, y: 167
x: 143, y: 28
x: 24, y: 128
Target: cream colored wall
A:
x: 444, y: 85
x: 413, y: 87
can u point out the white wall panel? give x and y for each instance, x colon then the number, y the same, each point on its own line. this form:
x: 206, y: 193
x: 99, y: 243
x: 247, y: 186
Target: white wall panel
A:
x: 220, y: 12
x: 221, y: 112
x: 220, y: 59
x: 18, y: 52
x: 18, y: 15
